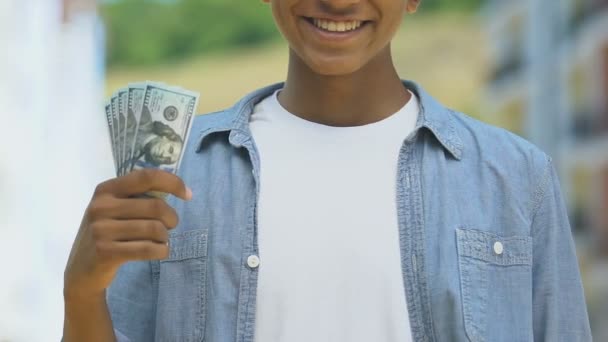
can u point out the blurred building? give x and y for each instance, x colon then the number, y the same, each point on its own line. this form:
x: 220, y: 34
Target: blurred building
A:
x: 549, y: 83
x: 56, y: 149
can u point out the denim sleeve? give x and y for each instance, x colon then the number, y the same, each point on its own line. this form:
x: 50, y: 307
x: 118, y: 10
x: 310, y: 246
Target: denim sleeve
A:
x: 132, y: 301
x: 560, y: 312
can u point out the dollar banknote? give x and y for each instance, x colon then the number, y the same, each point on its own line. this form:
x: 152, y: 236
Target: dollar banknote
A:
x: 122, y: 100
x: 110, y: 120
x: 116, y: 130
x: 135, y: 103
x: 149, y: 124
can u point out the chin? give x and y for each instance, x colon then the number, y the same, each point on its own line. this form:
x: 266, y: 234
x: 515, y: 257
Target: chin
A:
x: 334, y: 66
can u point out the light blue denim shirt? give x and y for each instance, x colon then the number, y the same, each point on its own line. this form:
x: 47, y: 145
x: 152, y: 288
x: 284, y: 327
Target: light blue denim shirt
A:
x: 486, y: 248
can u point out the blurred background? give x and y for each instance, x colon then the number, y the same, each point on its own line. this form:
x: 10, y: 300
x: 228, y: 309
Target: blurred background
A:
x: 536, y: 67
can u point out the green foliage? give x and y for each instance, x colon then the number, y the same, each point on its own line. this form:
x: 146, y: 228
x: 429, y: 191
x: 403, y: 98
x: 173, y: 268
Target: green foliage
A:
x: 463, y: 5
x: 146, y: 32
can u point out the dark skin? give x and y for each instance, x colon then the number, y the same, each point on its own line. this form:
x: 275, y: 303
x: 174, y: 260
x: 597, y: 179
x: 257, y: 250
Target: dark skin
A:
x: 117, y: 227
x: 337, y: 79
x: 343, y: 101
x: 342, y: 82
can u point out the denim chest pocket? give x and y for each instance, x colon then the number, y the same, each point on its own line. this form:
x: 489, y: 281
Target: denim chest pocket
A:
x: 181, y: 308
x: 496, y: 285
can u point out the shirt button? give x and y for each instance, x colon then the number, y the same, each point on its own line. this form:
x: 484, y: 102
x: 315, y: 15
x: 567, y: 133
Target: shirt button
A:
x: 498, y: 248
x: 253, y: 261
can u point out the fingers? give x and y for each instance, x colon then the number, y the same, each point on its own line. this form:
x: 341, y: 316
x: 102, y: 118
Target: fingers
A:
x: 145, y: 180
x: 133, y: 209
x: 121, y: 241
x: 133, y: 230
x: 126, y: 228
x: 132, y: 250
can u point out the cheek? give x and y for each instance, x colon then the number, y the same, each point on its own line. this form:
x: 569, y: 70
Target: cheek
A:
x: 282, y: 18
x: 392, y: 21
x: 287, y: 22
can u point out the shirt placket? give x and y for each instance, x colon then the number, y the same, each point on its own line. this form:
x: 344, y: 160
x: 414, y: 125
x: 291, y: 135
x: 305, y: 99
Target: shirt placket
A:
x: 412, y: 241
x: 250, y: 257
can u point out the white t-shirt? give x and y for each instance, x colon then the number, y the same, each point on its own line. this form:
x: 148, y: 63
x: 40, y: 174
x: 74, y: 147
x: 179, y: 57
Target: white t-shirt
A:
x: 330, y: 265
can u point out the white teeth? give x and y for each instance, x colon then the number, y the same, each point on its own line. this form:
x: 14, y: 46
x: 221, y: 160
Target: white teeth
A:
x: 337, y: 26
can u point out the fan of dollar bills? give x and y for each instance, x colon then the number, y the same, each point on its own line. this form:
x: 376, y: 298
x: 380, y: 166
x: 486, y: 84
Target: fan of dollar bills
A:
x: 149, y: 124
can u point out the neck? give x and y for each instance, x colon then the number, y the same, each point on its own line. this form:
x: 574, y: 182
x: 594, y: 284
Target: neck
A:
x: 365, y: 96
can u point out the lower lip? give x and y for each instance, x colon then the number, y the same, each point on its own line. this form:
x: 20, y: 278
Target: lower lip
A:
x: 335, y: 36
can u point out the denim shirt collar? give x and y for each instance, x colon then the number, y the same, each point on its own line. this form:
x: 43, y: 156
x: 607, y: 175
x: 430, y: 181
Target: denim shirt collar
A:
x: 433, y: 116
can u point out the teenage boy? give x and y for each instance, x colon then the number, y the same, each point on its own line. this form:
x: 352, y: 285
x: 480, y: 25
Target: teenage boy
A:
x: 341, y: 205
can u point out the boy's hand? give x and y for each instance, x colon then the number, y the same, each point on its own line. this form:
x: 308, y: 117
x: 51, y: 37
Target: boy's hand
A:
x: 118, y: 227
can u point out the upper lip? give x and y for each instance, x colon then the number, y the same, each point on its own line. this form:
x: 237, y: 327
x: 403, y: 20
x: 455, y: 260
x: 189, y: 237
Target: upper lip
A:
x: 334, y: 18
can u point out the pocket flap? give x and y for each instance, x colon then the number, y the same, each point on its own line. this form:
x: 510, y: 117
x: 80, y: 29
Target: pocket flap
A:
x: 492, y: 248
x: 187, y: 245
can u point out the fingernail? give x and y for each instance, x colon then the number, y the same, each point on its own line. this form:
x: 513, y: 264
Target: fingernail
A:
x: 188, y: 193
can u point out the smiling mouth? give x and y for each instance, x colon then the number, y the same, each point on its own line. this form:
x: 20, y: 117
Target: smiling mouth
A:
x: 336, y: 26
